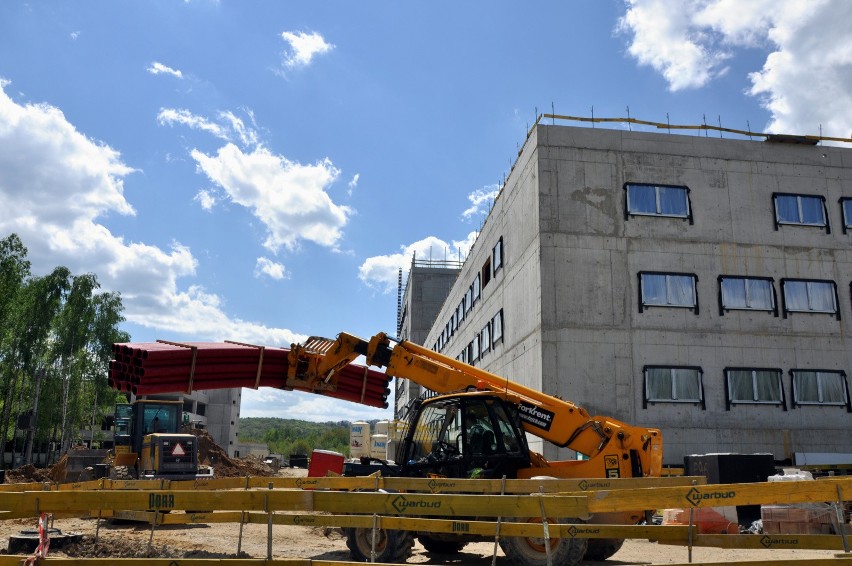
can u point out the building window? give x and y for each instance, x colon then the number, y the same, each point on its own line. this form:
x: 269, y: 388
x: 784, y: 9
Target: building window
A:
x: 657, y: 200
x: 846, y: 209
x: 485, y: 338
x: 668, y: 384
x: 460, y: 312
x: 802, y: 210
x: 486, y: 272
x: 468, y: 299
x: 497, y: 255
x: 667, y: 290
x: 497, y: 328
x: 820, y: 387
x: 453, y: 323
x: 475, y: 288
x: 474, y: 348
x: 809, y: 295
x: 746, y: 293
x: 754, y: 385
x: 463, y: 355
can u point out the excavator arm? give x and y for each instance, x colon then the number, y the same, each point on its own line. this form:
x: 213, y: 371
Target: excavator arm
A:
x: 548, y: 417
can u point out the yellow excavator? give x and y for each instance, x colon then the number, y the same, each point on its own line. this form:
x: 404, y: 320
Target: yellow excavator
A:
x: 148, y: 444
x: 475, y: 427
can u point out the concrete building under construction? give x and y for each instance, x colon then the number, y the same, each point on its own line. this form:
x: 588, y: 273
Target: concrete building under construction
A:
x: 699, y: 285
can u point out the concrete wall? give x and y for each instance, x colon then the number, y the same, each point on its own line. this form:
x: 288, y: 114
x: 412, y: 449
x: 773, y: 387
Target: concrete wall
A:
x: 427, y: 288
x: 595, y: 340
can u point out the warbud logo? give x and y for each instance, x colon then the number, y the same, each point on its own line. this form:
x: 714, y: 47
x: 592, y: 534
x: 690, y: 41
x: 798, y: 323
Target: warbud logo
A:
x: 769, y: 542
x: 436, y: 486
x: 403, y: 505
x: 301, y: 484
x: 574, y: 531
x: 695, y: 497
x: 301, y: 520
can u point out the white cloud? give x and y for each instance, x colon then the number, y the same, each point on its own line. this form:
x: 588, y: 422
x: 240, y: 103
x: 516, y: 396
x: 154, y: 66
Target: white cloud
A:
x: 666, y: 38
x: 157, y: 68
x: 206, y: 199
x: 353, y: 183
x: 248, y: 136
x: 480, y: 199
x: 303, y: 48
x: 266, y: 266
x: 382, y: 272
x: 805, y: 80
x: 289, y: 198
x: 75, y: 34
x: 172, y: 116
x: 55, y: 183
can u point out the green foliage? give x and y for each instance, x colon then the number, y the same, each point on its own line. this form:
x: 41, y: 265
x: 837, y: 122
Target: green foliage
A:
x: 56, y: 335
x: 292, y: 436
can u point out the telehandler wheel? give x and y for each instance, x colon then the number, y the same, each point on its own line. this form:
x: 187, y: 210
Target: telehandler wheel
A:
x: 600, y: 549
x: 439, y: 546
x: 523, y: 551
x: 391, y: 546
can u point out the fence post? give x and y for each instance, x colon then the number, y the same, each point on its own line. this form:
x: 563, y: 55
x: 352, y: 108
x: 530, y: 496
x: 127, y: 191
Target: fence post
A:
x: 841, y: 519
x: 545, y: 526
x: 499, y: 523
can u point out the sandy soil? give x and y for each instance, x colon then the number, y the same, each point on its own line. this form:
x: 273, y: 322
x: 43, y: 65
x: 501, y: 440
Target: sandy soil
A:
x: 222, y: 540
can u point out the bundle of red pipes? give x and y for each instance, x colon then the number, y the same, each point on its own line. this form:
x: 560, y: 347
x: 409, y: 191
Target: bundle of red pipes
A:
x: 145, y: 368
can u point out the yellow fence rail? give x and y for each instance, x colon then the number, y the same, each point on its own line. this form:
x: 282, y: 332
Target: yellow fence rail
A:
x: 432, y: 505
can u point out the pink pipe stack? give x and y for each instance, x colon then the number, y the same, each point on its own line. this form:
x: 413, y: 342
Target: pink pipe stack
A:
x: 145, y: 368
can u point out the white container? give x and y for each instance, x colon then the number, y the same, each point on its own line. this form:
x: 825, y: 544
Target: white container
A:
x: 381, y: 427
x: 359, y: 439
x: 379, y: 446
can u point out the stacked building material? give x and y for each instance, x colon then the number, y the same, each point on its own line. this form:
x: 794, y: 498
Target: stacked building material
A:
x: 146, y: 368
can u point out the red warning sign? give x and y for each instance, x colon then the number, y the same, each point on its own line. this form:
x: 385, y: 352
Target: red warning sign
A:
x: 178, y: 450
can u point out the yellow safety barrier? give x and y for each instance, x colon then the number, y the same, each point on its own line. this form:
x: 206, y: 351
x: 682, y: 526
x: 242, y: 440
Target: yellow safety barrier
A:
x: 438, y: 505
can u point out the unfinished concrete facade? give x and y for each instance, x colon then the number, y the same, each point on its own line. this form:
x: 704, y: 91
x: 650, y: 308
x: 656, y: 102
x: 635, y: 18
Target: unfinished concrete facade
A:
x: 697, y: 285
x: 427, y: 287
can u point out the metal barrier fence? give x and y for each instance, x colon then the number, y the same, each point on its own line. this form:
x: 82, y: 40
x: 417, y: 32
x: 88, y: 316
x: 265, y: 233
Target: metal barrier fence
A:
x: 437, y: 505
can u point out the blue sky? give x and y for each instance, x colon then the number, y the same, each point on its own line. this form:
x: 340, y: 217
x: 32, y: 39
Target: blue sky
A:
x: 259, y: 170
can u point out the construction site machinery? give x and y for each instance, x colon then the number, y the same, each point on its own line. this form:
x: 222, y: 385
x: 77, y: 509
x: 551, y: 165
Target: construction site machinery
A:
x: 148, y: 444
x: 477, y: 426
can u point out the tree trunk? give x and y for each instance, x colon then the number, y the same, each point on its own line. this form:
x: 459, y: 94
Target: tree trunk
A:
x: 28, y: 448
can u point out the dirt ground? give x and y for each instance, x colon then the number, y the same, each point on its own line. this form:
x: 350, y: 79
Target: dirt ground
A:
x: 221, y: 541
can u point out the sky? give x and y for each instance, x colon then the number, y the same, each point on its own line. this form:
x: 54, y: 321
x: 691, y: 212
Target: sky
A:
x: 258, y: 171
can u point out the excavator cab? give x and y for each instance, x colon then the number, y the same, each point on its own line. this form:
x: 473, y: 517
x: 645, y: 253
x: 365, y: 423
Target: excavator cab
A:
x: 467, y: 435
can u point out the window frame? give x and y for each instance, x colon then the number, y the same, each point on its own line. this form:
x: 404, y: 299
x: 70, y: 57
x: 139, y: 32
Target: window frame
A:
x: 845, y: 222
x: 476, y: 289
x: 729, y: 402
x: 643, y: 305
x: 497, y: 256
x: 486, y: 272
x: 497, y: 339
x: 723, y: 308
x: 787, y: 310
x: 646, y: 400
x: 794, y: 400
x: 778, y: 222
x: 468, y: 299
x: 657, y: 186
x: 485, y: 339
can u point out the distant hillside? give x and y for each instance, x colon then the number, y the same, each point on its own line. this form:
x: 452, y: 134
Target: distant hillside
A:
x: 293, y: 436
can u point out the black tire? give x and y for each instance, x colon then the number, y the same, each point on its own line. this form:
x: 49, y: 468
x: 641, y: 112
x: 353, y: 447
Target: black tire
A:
x: 391, y: 546
x: 600, y: 549
x: 438, y: 546
x: 523, y: 551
